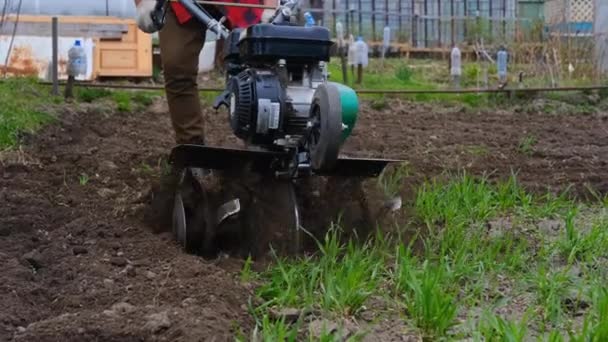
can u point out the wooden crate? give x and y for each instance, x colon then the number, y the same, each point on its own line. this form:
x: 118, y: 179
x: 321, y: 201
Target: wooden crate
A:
x: 129, y: 56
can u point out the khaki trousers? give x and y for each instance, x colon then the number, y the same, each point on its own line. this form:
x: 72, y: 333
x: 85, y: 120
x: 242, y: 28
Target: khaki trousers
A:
x: 180, y: 46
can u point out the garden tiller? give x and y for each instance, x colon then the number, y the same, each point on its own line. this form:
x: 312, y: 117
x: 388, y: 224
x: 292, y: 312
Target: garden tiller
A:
x: 293, y: 122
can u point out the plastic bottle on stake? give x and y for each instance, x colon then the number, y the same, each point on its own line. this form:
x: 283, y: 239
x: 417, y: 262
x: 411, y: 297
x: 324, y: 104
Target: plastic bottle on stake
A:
x: 456, y: 66
x: 352, y: 51
x: 77, y: 65
x: 361, y: 52
x: 386, y: 41
x: 340, y: 33
x: 77, y: 60
x: 501, y: 64
x: 361, y: 58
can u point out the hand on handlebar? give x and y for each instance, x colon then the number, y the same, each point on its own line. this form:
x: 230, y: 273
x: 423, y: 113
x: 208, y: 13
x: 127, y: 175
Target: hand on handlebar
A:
x: 284, y: 12
x: 150, y: 15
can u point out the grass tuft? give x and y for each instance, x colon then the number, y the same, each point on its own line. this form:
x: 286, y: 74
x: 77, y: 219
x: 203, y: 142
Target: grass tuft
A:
x: 496, y: 328
x: 274, y: 330
x: 26, y: 107
x: 550, y: 287
x: 339, y: 280
x: 595, y: 325
x: 526, y: 145
x: 580, y: 245
x: 425, y: 293
x: 90, y: 95
x: 123, y: 101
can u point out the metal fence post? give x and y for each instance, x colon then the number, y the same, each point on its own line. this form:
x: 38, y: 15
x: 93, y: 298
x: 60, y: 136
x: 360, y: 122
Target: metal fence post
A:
x: 490, y: 13
x: 347, y: 15
x: 439, y: 40
x: 465, y: 21
x: 360, y: 6
x: 426, y: 26
x: 373, y: 20
x: 400, y: 18
x: 55, y: 62
x: 333, y: 7
x: 415, y: 30
x: 452, y: 23
x: 504, y: 19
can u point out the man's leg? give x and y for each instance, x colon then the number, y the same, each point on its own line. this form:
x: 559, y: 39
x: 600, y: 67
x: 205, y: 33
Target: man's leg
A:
x: 180, y: 49
x: 180, y: 46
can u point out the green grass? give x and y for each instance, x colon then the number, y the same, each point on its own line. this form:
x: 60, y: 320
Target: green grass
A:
x: 583, y: 246
x: 399, y: 75
x: 526, y: 145
x: 454, y: 259
x: 421, y: 74
x: 495, y: 328
x: 550, y: 287
x: 477, y: 150
x: 90, y: 95
x: 339, y: 280
x: 26, y: 106
x: 595, y: 324
x: 426, y: 295
x: 83, y: 179
x: 125, y: 101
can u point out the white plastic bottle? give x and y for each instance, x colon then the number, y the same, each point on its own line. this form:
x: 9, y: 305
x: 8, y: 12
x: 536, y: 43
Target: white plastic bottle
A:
x: 352, y: 51
x: 361, y: 52
x: 386, y: 38
x: 340, y: 33
x: 501, y: 61
x: 456, y: 66
x: 77, y: 60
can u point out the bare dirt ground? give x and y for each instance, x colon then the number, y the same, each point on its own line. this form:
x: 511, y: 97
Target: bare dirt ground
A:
x: 78, y: 263
x: 546, y: 151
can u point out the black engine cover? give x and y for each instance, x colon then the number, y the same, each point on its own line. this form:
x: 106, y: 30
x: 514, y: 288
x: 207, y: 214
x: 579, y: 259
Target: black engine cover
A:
x: 256, y: 105
x: 267, y: 43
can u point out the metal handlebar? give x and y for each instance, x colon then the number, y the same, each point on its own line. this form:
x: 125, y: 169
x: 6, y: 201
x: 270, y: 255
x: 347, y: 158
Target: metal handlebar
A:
x: 284, y: 11
x: 283, y: 14
x: 200, y: 14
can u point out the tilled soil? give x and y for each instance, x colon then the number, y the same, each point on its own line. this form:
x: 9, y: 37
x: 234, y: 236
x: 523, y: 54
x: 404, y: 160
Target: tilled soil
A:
x: 546, y: 151
x: 78, y: 263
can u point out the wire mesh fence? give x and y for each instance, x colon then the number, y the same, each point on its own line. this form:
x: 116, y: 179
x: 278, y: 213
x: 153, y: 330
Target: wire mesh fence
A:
x: 442, y: 23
